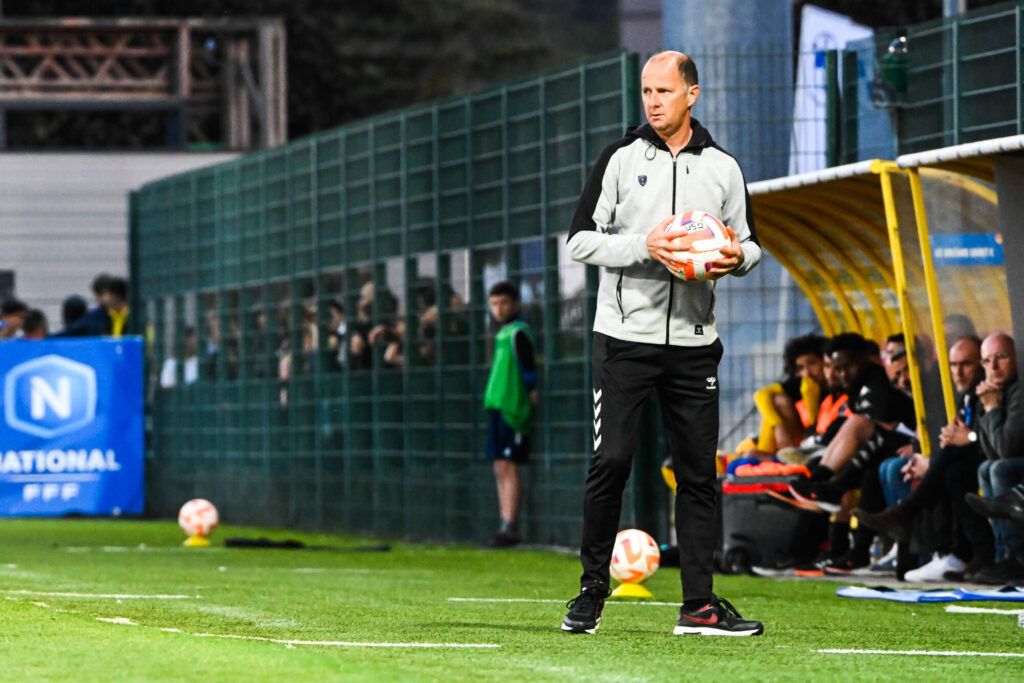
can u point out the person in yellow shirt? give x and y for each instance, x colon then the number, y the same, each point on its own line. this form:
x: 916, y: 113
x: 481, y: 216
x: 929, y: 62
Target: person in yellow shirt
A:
x: 789, y: 408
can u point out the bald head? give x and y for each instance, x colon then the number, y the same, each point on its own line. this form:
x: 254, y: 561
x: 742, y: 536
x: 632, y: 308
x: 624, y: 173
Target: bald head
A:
x: 681, y: 61
x: 999, y: 358
x: 965, y: 363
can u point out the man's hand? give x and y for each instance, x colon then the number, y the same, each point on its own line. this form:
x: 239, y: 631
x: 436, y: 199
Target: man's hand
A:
x: 732, y: 257
x: 915, y: 468
x: 990, y: 394
x: 534, y: 397
x: 954, y: 434
x: 662, y: 246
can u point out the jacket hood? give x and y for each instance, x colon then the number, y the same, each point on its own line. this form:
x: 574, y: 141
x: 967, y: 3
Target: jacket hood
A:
x: 700, y: 138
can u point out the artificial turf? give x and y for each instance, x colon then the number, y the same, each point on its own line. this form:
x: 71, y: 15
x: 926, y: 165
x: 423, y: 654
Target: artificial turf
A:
x: 402, y: 596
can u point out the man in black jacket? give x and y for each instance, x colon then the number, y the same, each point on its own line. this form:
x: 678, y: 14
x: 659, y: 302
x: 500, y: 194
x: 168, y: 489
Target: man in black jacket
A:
x: 1001, y: 434
x: 951, y: 474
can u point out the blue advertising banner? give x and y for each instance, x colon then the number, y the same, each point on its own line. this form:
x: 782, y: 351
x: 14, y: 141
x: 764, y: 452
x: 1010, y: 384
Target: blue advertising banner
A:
x: 967, y: 249
x: 71, y: 430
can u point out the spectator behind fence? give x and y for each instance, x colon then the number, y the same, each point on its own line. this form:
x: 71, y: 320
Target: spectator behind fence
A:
x: 947, y: 476
x: 1001, y: 434
x: 34, y: 325
x: 99, y: 287
x: 117, y: 306
x: 12, y: 316
x: 110, y: 317
x: 72, y: 310
x: 510, y: 401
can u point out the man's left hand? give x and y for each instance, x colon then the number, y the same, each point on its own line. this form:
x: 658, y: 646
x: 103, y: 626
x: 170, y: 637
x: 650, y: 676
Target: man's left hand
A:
x: 915, y: 468
x: 732, y: 257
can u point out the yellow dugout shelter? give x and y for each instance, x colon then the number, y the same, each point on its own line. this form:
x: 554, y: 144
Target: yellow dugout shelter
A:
x: 930, y: 240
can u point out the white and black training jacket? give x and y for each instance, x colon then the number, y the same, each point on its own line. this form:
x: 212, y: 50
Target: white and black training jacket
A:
x: 636, y: 184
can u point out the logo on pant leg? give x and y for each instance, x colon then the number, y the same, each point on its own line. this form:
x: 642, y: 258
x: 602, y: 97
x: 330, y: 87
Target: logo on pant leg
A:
x: 597, y: 418
x: 712, y: 383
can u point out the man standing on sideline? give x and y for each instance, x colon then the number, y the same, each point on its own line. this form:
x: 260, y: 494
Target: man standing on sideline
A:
x: 655, y: 332
x: 509, y: 399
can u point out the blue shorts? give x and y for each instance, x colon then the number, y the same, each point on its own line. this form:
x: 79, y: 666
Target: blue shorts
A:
x: 503, y: 442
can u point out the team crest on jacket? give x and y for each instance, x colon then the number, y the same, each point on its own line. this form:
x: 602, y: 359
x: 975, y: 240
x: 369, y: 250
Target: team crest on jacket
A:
x: 642, y: 179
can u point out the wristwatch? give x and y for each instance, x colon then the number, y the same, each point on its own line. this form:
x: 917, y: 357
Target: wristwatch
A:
x: 972, y: 436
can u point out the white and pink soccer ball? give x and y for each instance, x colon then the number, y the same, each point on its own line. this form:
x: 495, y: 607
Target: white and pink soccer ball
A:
x: 711, y: 236
x: 635, y: 557
x: 198, y: 517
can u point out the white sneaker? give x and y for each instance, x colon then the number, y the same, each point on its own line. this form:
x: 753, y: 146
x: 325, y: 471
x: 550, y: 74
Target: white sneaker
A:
x: 887, y: 563
x: 936, y: 569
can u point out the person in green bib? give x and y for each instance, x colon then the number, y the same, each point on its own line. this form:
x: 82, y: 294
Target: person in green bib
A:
x: 509, y: 400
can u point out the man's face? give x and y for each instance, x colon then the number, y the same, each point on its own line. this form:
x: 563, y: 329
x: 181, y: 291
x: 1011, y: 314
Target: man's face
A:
x: 667, y: 98
x: 12, y: 323
x: 846, y: 367
x: 965, y: 364
x: 828, y: 370
x: 900, y: 374
x: 811, y: 365
x: 999, y: 360
x: 894, y: 359
x: 503, y: 308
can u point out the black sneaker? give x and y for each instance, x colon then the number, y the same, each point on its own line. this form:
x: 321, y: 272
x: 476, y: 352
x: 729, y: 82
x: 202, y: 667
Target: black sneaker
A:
x: 717, y: 618
x: 850, y: 563
x: 1007, y: 571
x: 504, y: 539
x: 893, y: 522
x: 584, y: 615
x: 1007, y: 506
x: 821, y: 495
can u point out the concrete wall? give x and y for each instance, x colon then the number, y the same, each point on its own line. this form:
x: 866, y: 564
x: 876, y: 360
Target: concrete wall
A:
x: 640, y: 26
x: 744, y: 55
x: 64, y: 217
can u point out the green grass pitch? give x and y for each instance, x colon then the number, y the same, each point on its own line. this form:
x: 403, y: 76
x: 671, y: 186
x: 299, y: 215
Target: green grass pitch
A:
x: 56, y: 624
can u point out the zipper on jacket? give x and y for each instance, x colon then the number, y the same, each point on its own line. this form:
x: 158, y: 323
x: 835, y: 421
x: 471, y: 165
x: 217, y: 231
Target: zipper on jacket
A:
x: 618, y: 294
x: 671, y: 277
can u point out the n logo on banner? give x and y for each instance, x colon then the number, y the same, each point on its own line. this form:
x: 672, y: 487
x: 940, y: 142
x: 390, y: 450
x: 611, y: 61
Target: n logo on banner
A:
x: 43, y: 395
x: 50, y: 396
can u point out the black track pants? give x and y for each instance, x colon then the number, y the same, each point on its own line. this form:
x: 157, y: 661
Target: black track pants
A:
x: 686, y: 382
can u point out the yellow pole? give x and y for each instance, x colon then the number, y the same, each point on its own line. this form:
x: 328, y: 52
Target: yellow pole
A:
x: 885, y: 170
x: 828, y: 325
x: 932, y: 287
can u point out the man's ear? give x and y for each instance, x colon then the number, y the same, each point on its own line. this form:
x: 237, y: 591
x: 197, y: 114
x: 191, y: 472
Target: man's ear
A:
x: 693, y: 95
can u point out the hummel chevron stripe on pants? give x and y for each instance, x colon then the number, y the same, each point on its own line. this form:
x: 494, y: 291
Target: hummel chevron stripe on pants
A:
x: 686, y: 382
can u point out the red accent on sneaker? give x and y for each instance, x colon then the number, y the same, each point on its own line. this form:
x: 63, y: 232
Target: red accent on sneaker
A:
x: 705, y: 621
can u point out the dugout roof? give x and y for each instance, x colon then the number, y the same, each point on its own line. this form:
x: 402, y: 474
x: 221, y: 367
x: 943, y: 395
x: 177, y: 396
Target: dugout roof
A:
x: 858, y: 240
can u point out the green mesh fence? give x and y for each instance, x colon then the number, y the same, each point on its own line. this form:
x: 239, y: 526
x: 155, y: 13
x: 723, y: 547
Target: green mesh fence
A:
x: 318, y: 324
x: 964, y: 79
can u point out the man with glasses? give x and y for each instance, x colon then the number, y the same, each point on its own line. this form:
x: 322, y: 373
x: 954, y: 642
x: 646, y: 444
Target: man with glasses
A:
x: 1001, y: 434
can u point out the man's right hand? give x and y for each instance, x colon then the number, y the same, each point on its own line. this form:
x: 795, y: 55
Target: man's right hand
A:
x: 662, y: 245
x: 954, y: 434
x: 990, y: 394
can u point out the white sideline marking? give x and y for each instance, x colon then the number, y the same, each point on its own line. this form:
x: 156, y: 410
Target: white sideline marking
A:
x: 963, y: 609
x: 101, y: 596
x: 349, y: 643
x: 925, y: 653
x: 552, y: 600
x: 288, y: 643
